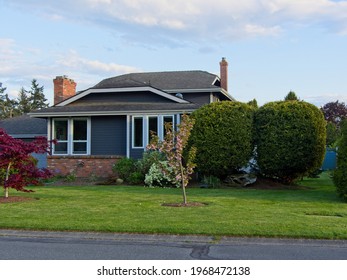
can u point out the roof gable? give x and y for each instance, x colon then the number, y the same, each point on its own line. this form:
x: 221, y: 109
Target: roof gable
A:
x: 123, y: 90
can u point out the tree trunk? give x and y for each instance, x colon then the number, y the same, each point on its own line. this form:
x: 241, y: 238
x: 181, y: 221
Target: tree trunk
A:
x: 183, y: 186
x: 6, y: 178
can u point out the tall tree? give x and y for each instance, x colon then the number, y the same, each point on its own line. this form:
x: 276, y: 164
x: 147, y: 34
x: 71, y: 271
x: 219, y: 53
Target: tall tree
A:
x: 37, y: 97
x: 335, y: 112
x: 7, y: 105
x: 24, y: 104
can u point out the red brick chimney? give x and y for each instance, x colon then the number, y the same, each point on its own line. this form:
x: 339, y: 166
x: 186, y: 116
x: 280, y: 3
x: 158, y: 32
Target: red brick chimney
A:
x: 63, y: 88
x: 224, y: 74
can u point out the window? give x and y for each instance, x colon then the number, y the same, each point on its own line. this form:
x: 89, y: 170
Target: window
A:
x: 167, y: 121
x: 138, y: 132
x: 79, y: 137
x: 61, y: 135
x: 143, y: 127
x: 152, y: 127
x: 72, y: 136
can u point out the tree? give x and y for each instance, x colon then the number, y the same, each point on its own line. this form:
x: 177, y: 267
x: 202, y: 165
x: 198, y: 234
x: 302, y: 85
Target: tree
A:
x: 36, y: 96
x: 253, y: 103
x: 340, y: 174
x: 333, y: 134
x: 290, y: 139
x: 291, y: 96
x: 23, y: 102
x: 17, y: 166
x: 182, y: 164
x: 335, y: 112
x: 223, y: 136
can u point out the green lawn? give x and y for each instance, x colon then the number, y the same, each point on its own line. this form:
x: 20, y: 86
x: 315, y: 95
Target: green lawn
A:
x: 314, y: 212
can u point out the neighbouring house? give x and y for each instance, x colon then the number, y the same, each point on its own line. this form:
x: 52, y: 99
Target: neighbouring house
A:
x: 26, y: 128
x: 113, y: 119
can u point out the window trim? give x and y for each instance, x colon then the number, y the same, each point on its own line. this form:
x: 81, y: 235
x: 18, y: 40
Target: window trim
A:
x: 145, y: 128
x: 133, y: 131
x: 70, y: 141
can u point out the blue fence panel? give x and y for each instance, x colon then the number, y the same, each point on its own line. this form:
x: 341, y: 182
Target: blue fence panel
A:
x: 329, y: 162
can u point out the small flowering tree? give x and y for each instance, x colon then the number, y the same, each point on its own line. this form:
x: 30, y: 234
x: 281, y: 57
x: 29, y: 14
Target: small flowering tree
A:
x: 17, y: 167
x: 182, y: 164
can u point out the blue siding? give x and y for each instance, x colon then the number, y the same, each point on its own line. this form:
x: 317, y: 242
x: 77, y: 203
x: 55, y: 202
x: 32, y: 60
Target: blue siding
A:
x: 197, y: 97
x: 108, y: 135
x: 123, y: 97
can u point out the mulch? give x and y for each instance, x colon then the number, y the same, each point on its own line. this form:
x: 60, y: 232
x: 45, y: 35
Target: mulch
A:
x: 188, y: 204
x: 14, y: 199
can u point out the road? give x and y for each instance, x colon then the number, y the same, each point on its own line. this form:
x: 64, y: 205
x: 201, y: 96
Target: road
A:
x: 35, y: 245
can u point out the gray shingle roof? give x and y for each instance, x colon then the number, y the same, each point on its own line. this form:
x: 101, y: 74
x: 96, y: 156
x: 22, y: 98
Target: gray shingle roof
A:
x: 162, y: 80
x: 120, y: 108
x: 24, y: 126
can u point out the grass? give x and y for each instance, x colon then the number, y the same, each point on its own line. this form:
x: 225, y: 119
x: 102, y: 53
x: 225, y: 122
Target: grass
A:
x: 312, y: 212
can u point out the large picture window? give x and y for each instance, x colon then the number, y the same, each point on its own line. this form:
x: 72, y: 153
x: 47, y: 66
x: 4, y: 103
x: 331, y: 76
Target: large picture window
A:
x: 144, y: 127
x: 72, y: 136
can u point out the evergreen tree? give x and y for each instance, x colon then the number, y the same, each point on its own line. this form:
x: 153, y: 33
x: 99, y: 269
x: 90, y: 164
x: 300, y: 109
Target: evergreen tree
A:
x: 24, y: 104
x: 7, y: 105
x: 36, y: 96
x: 291, y: 96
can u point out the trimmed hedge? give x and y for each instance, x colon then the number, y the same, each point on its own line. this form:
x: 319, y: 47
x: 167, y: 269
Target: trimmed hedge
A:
x: 290, y: 139
x: 222, y: 135
x: 340, y: 174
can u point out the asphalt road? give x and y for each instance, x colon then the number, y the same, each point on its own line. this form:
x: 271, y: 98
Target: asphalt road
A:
x: 32, y: 245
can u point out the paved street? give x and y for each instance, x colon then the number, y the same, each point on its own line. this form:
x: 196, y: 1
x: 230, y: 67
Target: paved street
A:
x: 31, y: 245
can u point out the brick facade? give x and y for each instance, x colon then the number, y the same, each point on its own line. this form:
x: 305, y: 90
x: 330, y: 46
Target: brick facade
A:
x: 82, y: 166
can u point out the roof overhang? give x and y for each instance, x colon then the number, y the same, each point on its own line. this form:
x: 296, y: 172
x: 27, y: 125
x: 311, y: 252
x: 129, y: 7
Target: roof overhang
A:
x: 128, y: 89
x: 108, y: 113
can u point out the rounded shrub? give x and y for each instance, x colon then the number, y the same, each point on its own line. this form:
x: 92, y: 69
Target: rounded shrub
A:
x: 124, y: 167
x: 340, y: 174
x: 290, y: 139
x: 222, y: 135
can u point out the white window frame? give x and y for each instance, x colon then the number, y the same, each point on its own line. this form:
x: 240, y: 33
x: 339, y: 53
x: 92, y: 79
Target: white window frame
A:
x: 145, y: 128
x: 133, y: 131
x: 70, y: 141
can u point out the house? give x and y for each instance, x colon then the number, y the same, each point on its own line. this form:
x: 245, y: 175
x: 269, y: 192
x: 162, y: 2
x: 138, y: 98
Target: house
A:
x: 113, y: 119
x: 26, y: 128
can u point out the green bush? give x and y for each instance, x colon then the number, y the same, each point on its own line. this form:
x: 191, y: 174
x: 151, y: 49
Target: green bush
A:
x: 290, y: 139
x: 135, y: 178
x: 148, y: 158
x: 157, y: 178
x: 340, y: 174
x: 222, y: 135
x: 124, y: 167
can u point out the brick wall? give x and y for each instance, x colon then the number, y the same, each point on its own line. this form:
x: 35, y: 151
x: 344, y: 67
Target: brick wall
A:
x: 82, y: 166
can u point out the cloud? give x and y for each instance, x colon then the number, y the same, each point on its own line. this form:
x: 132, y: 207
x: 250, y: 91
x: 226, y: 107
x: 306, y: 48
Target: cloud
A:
x: 195, y: 19
x: 320, y: 100
x: 20, y: 64
x: 73, y: 61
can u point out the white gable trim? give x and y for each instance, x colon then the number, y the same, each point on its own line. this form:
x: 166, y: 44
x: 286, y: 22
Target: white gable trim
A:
x: 129, y: 89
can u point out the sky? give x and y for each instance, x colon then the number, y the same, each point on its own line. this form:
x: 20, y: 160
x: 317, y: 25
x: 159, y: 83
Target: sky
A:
x: 272, y: 46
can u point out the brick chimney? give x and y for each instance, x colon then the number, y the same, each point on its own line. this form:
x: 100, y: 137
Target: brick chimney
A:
x: 63, y: 88
x: 224, y: 74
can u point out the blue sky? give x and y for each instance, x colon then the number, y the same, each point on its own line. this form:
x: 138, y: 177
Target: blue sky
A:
x: 272, y: 46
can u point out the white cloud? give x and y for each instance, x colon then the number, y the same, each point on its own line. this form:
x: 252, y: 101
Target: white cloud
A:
x: 196, y: 19
x: 320, y: 100
x: 73, y: 61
